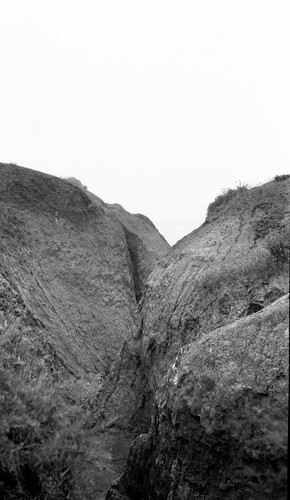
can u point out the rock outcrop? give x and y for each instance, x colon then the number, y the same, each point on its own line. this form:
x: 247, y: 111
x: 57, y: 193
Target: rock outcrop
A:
x: 70, y: 270
x: 206, y: 376
x: 219, y: 424
x: 144, y: 244
x: 191, y: 342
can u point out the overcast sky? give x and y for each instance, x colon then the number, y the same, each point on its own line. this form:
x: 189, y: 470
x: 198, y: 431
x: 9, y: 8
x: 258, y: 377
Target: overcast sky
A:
x: 156, y: 105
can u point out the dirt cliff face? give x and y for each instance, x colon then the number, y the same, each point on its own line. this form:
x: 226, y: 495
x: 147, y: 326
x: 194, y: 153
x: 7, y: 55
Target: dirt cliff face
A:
x: 68, y: 272
x: 206, y: 375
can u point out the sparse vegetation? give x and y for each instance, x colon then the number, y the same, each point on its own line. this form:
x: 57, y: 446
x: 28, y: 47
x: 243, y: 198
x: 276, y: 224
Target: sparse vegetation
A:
x: 235, y: 199
x: 39, y: 442
x: 265, y: 446
x: 76, y: 182
x: 279, y: 246
x: 263, y: 263
x: 225, y: 197
x: 281, y: 177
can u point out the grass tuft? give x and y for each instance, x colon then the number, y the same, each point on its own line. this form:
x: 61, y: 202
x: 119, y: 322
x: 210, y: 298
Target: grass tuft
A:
x: 225, y: 198
x: 39, y: 442
x: 279, y: 178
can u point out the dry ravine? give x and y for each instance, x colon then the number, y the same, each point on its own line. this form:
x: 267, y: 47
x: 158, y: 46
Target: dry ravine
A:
x: 72, y: 270
x: 175, y: 360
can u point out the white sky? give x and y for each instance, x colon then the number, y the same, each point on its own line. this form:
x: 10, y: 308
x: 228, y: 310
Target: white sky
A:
x: 157, y: 105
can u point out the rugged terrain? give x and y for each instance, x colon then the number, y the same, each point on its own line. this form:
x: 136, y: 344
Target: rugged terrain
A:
x: 71, y: 270
x: 191, y: 343
x: 206, y: 377
x: 219, y: 422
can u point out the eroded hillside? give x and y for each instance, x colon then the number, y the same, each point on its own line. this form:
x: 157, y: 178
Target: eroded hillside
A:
x: 192, y: 342
x: 68, y: 271
x: 210, y: 360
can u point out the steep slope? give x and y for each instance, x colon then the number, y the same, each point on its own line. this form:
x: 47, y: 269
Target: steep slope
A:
x: 144, y: 244
x: 219, y: 425
x: 216, y: 292
x: 66, y: 271
x: 235, y: 264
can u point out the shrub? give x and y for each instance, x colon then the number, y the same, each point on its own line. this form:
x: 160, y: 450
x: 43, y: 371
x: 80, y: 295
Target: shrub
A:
x: 267, y: 448
x: 224, y: 198
x: 76, y: 182
x: 281, y: 177
x: 38, y: 442
x: 279, y: 248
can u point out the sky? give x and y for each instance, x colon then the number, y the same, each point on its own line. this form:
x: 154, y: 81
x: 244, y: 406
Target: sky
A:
x: 157, y: 105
